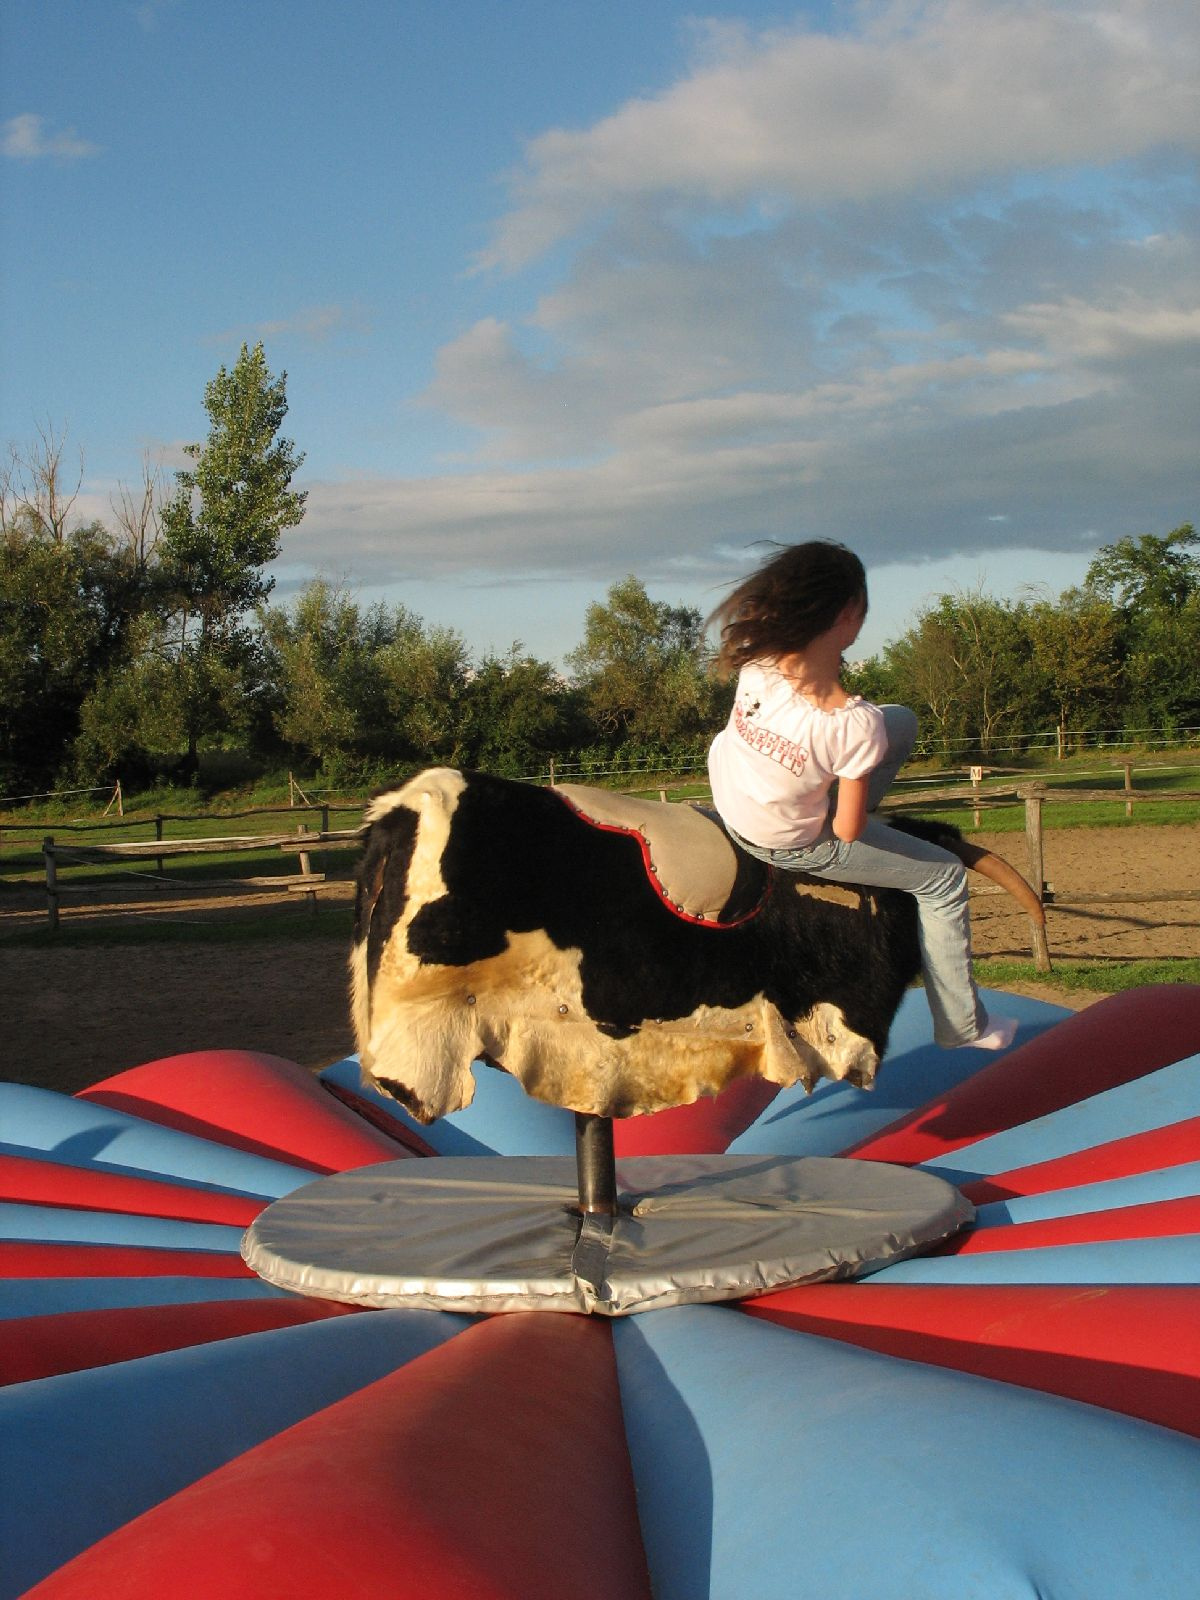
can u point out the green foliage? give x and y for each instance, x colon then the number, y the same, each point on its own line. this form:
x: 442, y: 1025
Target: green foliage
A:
x: 219, y: 530
x: 67, y: 609
x: 224, y: 522
x: 966, y: 666
x: 643, y: 668
x: 516, y: 713
x: 134, y: 655
x: 1147, y: 576
x: 1076, y: 654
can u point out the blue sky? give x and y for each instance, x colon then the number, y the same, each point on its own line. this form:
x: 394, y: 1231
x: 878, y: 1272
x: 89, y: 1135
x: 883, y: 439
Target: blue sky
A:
x: 567, y: 290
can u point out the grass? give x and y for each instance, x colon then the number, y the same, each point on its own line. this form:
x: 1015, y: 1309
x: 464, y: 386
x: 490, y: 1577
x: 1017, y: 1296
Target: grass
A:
x: 21, y: 858
x: 1104, y: 977
x: 997, y: 816
x: 203, y: 814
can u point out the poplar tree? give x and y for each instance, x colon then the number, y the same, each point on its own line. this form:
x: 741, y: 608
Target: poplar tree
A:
x: 220, y: 529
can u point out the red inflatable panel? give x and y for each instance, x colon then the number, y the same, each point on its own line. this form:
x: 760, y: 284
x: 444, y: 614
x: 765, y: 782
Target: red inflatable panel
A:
x: 395, y: 1130
x: 1112, y: 1042
x: 1157, y: 1219
x: 43, y: 1347
x: 250, y: 1101
x: 29, y: 1180
x: 1131, y: 1349
x: 30, y: 1258
x: 1120, y: 1158
x: 493, y: 1468
x: 706, y: 1127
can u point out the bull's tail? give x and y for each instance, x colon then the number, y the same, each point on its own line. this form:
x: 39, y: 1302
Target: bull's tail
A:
x: 976, y: 859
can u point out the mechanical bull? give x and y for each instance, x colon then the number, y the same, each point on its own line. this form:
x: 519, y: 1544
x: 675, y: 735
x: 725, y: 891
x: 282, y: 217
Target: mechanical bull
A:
x: 616, y: 956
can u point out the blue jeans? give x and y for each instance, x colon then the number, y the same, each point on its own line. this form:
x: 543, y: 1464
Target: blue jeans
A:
x: 884, y: 858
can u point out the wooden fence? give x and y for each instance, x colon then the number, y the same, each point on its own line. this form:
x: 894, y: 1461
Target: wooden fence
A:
x: 303, y: 842
x: 1034, y: 796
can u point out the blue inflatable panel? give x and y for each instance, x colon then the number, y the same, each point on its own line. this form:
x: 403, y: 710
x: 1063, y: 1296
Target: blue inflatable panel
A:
x: 1173, y: 1259
x: 501, y: 1120
x: 836, y: 1115
x: 43, y: 1297
x: 1156, y: 1100
x: 81, y: 1133
x: 774, y: 1464
x: 1139, y: 1189
x: 155, y: 1424
x: 61, y: 1224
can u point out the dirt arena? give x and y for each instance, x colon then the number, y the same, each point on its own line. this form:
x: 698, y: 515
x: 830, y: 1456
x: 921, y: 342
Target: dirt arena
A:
x: 75, y: 1015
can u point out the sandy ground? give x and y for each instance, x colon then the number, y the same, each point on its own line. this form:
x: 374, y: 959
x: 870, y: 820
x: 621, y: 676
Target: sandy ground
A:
x: 73, y: 1016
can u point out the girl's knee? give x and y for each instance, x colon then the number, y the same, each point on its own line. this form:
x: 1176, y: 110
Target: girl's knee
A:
x: 947, y: 885
x: 901, y: 725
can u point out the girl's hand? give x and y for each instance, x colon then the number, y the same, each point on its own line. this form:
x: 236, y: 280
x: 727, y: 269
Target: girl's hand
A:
x: 850, y: 817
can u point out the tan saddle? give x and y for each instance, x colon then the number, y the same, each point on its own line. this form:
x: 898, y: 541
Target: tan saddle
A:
x: 692, y: 863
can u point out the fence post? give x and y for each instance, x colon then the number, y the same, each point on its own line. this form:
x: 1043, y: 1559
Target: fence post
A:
x: 306, y: 869
x: 1128, y: 765
x: 51, y: 882
x: 158, y: 833
x: 1037, y: 871
x: 325, y: 819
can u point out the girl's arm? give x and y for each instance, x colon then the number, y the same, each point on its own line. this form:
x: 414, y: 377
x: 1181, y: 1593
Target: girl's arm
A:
x: 850, y: 817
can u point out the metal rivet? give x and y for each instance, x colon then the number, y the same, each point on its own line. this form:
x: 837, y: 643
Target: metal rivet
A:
x: 470, y: 999
x: 749, y: 1027
x: 831, y: 1038
x: 791, y: 1033
x: 562, y: 1011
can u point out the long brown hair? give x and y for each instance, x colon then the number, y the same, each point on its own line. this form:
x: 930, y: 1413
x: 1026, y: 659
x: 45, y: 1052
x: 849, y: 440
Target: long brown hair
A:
x: 792, y: 598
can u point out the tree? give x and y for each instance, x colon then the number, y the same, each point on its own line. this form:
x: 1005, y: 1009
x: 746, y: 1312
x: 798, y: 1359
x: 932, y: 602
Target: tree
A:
x: 1147, y: 575
x: 423, y: 672
x: 964, y: 667
x: 516, y: 713
x: 1077, y: 654
x: 314, y: 655
x: 1154, y: 584
x: 219, y: 530
x: 643, y: 667
x: 70, y: 599
x: 34, y: 491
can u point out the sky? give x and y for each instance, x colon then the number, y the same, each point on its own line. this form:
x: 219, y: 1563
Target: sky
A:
x: 566, y: 290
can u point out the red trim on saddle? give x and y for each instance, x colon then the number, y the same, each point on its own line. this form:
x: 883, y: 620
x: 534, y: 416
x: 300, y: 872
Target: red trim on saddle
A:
x: 656, y: 883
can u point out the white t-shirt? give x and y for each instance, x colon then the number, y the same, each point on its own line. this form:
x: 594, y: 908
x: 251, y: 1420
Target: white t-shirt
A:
x: 772, y: 764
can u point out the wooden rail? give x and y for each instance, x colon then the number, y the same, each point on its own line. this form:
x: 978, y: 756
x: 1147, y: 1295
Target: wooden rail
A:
x: 301, y: 843
x: 1034, y: 796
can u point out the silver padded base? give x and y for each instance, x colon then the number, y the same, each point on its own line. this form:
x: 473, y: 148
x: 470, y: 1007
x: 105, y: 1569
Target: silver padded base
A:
x: 503, y: 1233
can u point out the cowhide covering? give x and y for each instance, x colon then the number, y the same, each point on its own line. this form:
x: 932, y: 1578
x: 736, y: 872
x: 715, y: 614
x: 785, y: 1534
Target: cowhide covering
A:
x: 493, y: 921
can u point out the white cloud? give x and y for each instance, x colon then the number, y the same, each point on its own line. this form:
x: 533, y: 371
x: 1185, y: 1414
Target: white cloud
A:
x: 27, y: 138
x: 927, y: 95
x: 830, y: 285
x: 314, y: 324
x: 1074, y: 329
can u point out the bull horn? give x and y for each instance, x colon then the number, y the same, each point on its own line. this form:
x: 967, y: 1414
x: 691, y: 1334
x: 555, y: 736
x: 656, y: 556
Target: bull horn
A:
x: 976, y: 859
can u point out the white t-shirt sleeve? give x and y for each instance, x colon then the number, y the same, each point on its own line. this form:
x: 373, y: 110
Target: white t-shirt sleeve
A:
x: 860, y: 741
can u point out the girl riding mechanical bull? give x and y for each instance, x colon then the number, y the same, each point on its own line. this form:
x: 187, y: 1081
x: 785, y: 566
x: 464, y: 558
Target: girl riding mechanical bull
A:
x: 801, y: 766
